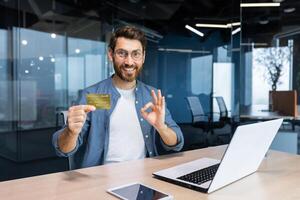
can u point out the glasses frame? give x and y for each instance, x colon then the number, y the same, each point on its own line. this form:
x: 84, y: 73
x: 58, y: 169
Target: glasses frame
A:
x: 115, y: 52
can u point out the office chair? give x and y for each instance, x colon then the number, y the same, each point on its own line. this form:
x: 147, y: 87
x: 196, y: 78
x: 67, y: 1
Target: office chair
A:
x: 224, y: 116
x: 222, y: 108
x: 202, y: 120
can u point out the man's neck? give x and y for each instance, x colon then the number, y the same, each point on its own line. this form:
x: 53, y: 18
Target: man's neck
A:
x: 121, y: 84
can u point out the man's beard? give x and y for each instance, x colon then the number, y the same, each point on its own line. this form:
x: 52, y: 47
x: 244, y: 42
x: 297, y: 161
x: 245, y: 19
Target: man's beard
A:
x: 127, y: 76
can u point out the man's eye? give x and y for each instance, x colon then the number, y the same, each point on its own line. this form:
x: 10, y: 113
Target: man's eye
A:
x: 136, y: 54
x: 122, y: 53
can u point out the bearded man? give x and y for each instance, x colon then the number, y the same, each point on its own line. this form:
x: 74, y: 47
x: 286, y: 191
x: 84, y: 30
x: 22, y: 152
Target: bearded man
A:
x: 136, y: 114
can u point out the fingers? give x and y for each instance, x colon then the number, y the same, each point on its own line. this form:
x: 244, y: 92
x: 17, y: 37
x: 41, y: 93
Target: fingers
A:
x: 85, y: 108
x: 163, y: 103
x: 144, y: 109
x: 89, y: 108
x: 148, y: 105
x: 154, y: 97
x: 159, y: 100
x: 77, y: 117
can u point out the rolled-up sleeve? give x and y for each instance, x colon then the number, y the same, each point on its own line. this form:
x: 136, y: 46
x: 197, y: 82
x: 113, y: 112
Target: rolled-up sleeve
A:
x: 57, y: 149
x: 172, y: 125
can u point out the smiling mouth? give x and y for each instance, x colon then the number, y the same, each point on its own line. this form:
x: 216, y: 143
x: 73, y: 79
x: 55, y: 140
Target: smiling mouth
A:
x: 131, y: 69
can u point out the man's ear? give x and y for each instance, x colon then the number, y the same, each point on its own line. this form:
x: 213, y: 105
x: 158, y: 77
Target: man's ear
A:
x: 110, y: 54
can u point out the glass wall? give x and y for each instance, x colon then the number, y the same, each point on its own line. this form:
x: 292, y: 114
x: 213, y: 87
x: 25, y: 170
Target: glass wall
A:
x: 52, y: 49
x: 269, y: 40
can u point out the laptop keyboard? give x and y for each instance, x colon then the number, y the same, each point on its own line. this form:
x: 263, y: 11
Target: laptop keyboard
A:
x: 201, y: 176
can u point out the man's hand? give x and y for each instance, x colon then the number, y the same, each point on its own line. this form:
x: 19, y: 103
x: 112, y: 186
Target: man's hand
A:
x: 157, y: 118
x: 77, y: 117
x: 157, y: 115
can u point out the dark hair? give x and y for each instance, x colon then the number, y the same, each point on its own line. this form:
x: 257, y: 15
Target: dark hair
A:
x: 128, y: 32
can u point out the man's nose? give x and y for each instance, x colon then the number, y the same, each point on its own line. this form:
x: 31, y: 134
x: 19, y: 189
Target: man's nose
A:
x: 128, y: 60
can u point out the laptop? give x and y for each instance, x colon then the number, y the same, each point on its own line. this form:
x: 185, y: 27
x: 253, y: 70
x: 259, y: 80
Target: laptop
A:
x: 242, y: 157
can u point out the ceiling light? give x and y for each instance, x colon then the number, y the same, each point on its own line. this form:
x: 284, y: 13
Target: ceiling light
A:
x: 244, y: 5
x: 77, y: 51
x: 235, y: 31
x: 234, y: 24
x: 53, y: 35
x: 289, y: 9
x: 24, y: 42
x: 194, y: 30
x: 278, y: 1
x: 41, y: 58
x: 212, y: 25
x: 26, y: 71
x: 183, y: 50
x: 229, y: 25
x: 52, y: 59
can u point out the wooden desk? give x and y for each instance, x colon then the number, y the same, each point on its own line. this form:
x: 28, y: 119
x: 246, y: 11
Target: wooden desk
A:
x: 260, y: 112
x: 277, y: 178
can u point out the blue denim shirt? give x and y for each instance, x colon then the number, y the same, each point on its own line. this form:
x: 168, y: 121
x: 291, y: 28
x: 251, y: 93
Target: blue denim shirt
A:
x: 92, y: 143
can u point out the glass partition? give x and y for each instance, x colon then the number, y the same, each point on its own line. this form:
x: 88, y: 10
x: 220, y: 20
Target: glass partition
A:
x: 52, y: 49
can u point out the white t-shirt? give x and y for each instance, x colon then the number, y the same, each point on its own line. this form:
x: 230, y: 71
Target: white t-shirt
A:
x: 126, y: 141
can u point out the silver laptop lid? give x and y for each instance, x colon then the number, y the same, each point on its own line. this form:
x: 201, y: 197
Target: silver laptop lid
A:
x: 245, y: 152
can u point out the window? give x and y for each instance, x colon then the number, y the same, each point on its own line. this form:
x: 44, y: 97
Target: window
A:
x: 261, y: 84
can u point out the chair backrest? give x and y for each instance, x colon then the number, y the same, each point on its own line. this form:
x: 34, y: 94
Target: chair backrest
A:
x: 196, y: 109
x: 222, y: 107
x: 64, y: 113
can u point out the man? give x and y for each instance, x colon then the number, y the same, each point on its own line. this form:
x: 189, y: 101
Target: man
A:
x: 136, y: 116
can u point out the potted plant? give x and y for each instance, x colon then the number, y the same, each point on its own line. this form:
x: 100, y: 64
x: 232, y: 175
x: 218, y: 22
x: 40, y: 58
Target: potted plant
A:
x: 274, y: 59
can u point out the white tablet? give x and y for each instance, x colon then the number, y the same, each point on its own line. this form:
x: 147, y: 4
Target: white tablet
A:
x: 137, y: 191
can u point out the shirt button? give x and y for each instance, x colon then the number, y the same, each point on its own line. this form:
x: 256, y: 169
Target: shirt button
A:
x: 136, y: 102
x: 146, y: 136
x: 142, y: 119
x: 136, y: 89
x: 150, y: 152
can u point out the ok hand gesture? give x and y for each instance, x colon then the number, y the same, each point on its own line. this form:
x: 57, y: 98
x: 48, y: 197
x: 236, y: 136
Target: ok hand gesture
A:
x: 156, y: 117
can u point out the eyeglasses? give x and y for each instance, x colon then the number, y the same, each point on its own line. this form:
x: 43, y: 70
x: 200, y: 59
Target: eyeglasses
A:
x: 135, y: 55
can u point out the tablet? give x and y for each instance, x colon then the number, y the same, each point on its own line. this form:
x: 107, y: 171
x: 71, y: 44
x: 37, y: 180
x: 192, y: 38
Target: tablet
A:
x: 137, y: 191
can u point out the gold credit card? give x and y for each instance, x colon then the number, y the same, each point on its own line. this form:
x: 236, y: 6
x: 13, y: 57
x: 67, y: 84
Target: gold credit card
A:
x: 100, y: 101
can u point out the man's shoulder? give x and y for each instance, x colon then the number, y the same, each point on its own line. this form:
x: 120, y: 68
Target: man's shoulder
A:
x: 97, y: 86
x: 146, y: 87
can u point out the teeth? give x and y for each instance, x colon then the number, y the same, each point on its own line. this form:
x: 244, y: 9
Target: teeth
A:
x: 129, y: 69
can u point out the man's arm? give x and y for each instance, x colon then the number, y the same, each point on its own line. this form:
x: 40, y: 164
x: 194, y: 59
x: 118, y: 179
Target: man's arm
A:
x: 168, y: 136
x: 76, y: 118
x: 157, y: 118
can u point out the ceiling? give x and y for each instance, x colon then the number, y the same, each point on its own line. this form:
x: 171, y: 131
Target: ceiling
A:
x: 264, y: 24
x: 161, y: 16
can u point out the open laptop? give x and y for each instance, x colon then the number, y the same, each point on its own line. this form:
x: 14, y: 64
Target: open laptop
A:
x: 243, y: 156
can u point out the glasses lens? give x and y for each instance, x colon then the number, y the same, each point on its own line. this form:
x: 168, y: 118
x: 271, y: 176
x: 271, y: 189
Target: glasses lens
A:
x: 122, y: 53
x: 136, y: 55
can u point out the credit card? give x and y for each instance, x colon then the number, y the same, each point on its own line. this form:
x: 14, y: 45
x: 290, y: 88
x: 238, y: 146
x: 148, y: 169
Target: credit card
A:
x: 100, y: 101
